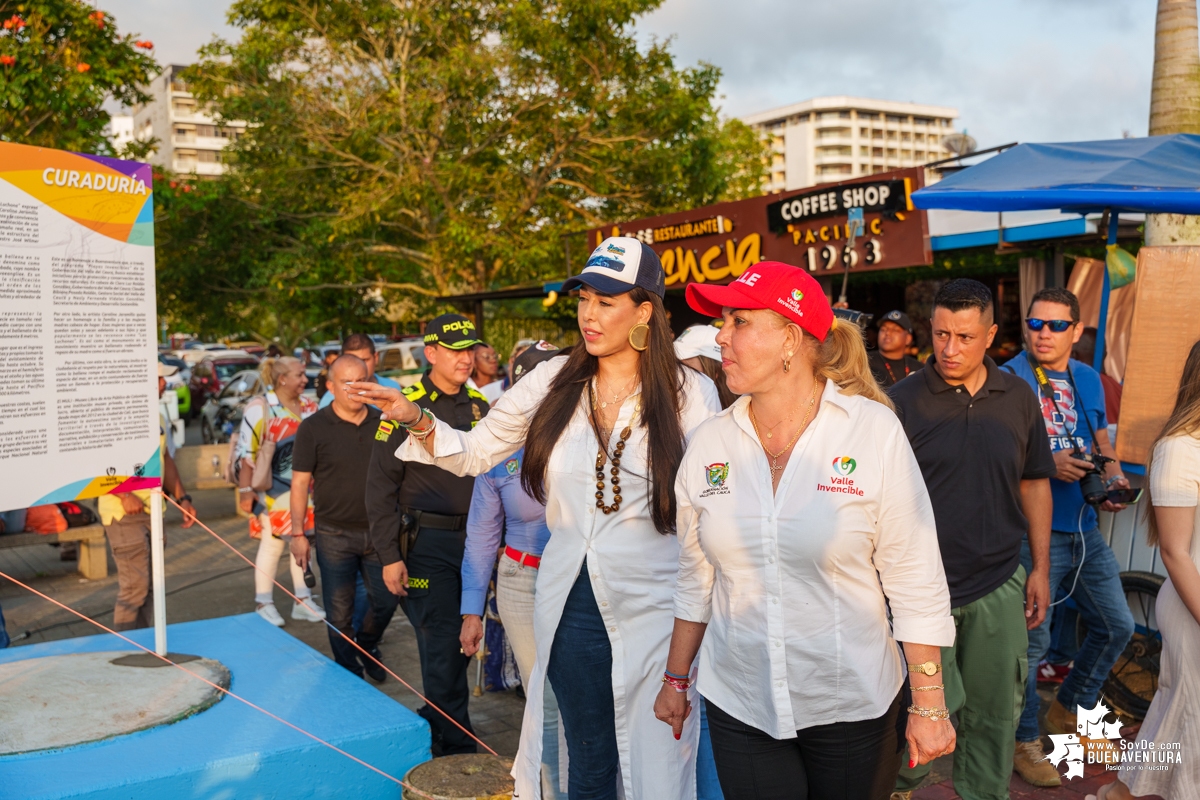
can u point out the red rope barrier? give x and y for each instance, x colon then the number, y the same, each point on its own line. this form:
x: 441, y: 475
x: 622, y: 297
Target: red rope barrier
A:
x: 331, y: 627
x: 219, y: 688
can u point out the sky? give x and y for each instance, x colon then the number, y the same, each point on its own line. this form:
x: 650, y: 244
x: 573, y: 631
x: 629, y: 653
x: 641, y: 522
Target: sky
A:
x: 1016, y: 70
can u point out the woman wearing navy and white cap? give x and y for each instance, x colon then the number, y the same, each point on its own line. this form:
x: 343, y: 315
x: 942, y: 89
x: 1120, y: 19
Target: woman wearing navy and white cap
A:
x: 804, y: 521
x: 604, y: 430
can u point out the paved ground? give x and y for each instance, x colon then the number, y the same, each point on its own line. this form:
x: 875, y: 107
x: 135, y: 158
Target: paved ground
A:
x: 205, y: 579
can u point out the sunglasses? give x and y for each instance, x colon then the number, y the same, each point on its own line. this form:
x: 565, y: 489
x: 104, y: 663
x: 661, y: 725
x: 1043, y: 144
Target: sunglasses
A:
x: 1056, y: 325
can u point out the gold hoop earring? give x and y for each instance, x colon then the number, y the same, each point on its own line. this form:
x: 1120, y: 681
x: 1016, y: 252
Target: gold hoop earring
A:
x: 639, y: 337
x: 787, y: 364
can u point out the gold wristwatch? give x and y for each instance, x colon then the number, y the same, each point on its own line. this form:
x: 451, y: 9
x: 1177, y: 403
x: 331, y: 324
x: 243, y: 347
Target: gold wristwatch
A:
x: 928, y: 668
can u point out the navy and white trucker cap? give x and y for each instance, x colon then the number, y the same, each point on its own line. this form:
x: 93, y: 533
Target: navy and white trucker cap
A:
x: 619, y: 264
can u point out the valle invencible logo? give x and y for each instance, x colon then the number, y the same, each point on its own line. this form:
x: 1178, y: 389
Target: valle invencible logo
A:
x: 841, y: 482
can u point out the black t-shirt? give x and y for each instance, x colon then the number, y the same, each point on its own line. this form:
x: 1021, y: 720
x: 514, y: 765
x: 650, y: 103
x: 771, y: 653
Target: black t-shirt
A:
x: 393, y: 484
x: 338, y: 454
x: 888, y: 371
x: 974, y: 451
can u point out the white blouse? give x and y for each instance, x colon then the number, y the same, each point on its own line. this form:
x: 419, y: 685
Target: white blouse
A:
x: 632, y: 568
x: 796, y: 586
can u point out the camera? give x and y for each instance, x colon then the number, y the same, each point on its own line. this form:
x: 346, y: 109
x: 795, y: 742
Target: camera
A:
x: 1092, y: 483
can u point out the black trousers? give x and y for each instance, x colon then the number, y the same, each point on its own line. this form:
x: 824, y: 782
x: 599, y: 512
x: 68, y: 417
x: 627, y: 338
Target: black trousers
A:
x: 433, y: 605
x: 838, y: 761
x: 343, y: 555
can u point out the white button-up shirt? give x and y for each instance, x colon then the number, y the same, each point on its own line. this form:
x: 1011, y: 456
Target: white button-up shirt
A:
x: 631, y: 565
x: 796, y: 586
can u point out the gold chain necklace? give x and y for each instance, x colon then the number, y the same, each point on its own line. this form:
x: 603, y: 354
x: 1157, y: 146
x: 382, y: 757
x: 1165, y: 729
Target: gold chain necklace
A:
x: 616, y: 396
x: 776, y: 456
x: 602, y: 457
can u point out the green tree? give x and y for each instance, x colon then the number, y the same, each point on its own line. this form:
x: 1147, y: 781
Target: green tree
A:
x: 442, y: 147
x: 60, y: 60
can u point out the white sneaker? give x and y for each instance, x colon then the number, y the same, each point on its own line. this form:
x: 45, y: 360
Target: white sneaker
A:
x: 271, y: 614
x: 308, y: 611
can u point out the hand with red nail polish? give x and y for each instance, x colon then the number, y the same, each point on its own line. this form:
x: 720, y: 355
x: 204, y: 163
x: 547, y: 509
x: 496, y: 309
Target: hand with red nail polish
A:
x: 673, y: 708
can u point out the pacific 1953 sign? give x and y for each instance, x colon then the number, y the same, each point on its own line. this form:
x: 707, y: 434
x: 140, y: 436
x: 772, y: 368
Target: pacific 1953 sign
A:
x: 806, y: 228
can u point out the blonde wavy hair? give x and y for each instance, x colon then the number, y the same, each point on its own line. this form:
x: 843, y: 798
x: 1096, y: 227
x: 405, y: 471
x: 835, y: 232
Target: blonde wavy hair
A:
x: 842, y: 358
x: 272, y: 369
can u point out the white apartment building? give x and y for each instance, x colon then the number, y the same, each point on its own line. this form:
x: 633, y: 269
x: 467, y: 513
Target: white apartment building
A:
x: 120, y: 130
x: 834, y: 138
x: 189, y: 140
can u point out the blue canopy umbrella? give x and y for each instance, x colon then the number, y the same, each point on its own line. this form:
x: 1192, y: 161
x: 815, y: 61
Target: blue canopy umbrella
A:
x: 1159, y: 174
x: 1153, y: 175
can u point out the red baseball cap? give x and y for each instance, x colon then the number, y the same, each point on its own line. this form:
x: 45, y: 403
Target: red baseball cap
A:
x: 769, y: 284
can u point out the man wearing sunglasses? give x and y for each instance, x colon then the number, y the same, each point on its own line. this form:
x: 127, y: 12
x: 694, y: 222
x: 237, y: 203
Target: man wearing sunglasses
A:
x: 1082, y: 565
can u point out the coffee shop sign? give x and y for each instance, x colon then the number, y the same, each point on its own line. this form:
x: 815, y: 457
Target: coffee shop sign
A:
x: 879, y: 196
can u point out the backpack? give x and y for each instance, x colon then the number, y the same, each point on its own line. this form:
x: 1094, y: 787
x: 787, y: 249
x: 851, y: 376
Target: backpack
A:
x: 45, y: 519
x: 77, y: 516
x: 262, y: 477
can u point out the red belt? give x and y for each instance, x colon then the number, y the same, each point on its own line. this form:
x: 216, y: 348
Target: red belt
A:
x: 524, y: 559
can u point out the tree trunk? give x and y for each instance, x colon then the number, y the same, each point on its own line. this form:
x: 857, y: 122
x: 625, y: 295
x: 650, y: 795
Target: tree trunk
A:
x: 1175, y: 103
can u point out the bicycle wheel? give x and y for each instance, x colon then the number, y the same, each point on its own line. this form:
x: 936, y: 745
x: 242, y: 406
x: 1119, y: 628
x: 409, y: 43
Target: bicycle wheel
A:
x: 1133, y: 680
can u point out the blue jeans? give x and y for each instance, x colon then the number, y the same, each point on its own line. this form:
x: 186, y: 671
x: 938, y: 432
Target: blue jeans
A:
x: 1100, y: 600
x: 707, y: 785
x: 580, y: 671
x: 345, y: 556
x: 3, y: 631
x: 361, y: 604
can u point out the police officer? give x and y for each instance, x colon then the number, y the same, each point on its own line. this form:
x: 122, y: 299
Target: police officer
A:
x: 890, y: 363
x: 418, y: 519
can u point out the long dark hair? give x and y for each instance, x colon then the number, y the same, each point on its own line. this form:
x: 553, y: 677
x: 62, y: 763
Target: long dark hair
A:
x: 661, y: 375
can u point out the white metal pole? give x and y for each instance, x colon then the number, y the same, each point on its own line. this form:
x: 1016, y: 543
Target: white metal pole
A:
x: 158, y: 571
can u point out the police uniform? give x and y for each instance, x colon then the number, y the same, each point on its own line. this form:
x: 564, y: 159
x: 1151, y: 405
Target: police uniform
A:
x: 433, y: 504
x: 886, y: 371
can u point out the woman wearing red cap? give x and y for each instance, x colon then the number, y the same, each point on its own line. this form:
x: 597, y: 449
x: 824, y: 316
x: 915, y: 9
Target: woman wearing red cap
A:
x: 803, y: 522
x: 604, y: 430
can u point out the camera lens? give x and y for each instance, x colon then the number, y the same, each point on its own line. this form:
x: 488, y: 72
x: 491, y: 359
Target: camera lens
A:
x: 1092, y: 484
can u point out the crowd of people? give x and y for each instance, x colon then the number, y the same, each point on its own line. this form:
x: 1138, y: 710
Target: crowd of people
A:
x: 825, y: 553
x: 755, y: 561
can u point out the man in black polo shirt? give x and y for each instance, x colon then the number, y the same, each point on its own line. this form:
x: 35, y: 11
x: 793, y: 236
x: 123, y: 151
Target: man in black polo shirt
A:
x: 332, y: 454
x: 418, y: 517
x: 978, y: 435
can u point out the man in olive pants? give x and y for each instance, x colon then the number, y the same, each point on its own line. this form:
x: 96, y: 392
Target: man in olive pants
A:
x: 978, y: 435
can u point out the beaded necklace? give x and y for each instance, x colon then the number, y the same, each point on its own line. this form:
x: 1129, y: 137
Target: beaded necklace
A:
x: 602, y: 456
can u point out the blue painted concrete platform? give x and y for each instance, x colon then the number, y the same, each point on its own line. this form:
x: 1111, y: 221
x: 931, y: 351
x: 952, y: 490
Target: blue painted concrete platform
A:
x: 231, y: 750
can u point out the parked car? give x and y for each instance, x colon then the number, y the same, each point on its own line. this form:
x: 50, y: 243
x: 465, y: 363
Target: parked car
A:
x: 254, y: 348
x: 403, y: 361
x: 222, y: 412
x: 214, y: 371
x: 179, y: 382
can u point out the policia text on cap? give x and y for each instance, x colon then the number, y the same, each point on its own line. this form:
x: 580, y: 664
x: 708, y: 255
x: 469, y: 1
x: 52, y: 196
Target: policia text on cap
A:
x: 418, y: 517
